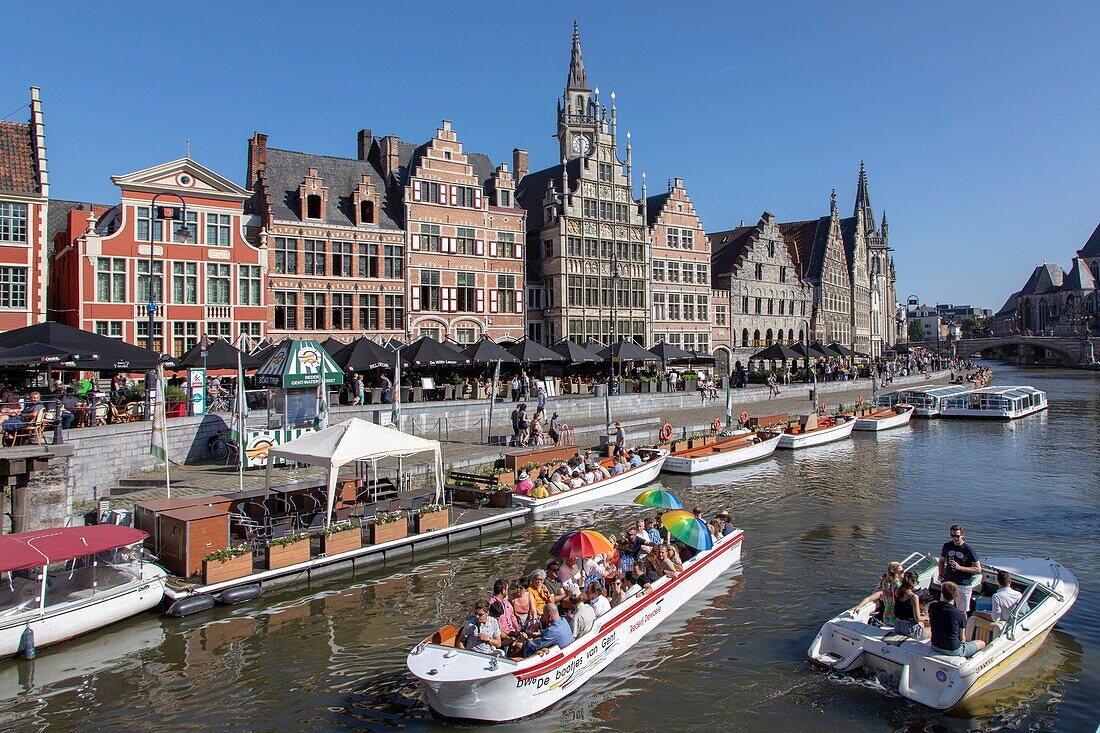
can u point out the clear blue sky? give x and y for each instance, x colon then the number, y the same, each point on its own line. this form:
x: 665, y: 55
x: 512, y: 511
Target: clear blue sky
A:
x: 977, y: 120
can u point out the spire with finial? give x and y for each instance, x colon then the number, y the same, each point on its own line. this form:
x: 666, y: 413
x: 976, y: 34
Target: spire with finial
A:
x: 578, y: 77
x: 885, y: 228
x: 645, y: 213
x: 564, y: 182
x: 863, y: 199
x: 629, y: 161
x: 187, y: 144
x: 832, y: 203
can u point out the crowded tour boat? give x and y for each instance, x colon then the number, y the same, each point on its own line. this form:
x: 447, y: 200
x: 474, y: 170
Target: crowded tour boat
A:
x: 490, y: 685
x: 1003, y: 634
x: 927, y: 399
x: 742, y: 447
x: 885, y: 418
x: 997, y: 403
x: 59, y: 583
x: 587, y: 479
x: 811, y: 430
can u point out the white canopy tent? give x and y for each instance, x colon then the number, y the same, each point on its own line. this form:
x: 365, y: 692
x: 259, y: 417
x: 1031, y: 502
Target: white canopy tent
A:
x: 351, y: 441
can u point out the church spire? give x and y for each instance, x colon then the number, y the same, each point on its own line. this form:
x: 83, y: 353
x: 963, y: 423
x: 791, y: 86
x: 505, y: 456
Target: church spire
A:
x: 578, y: 77
x: 863, y: 199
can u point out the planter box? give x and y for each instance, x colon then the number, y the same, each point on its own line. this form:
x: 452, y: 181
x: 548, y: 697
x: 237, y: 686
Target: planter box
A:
x: 380, y: 533
x: 346, y: 541
x: 500, y: 499
x: 175, y: 409
x: 709, y: 440
x: 508, y: 478
x: 222, y: 570
x: 679, y: 445
x: 434, y: 521
x: 689, y: 385
x: 281, y: 556
x: 649, y: 387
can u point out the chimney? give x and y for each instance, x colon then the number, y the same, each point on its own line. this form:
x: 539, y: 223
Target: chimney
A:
x: 257, y: 157
x: 38, y: 130
x: 389, y: 156
x: 519, y: 163
x: 365, y: 138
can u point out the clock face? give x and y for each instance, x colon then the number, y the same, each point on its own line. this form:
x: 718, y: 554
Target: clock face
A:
x: 581, y: 144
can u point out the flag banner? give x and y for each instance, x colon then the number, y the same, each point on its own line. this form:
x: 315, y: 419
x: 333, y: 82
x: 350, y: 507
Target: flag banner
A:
x: 493, y: 397
x: 395, y: 413
x: 158, y: 443
x: 729, y: 405
x: 321, y: 421
x: 240, y: 407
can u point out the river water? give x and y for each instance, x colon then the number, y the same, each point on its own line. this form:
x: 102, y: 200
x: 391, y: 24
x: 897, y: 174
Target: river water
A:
x: 820, y: 527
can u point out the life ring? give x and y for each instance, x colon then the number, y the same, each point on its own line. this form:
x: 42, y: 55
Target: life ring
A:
x: 744, y: 417
x: 861, y: 400
x: 716, y: 424
x: 824, y: 407
x: 666, y: 431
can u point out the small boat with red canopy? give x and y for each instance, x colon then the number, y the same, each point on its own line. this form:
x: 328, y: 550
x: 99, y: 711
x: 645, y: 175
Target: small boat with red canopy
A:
x: 59, y: 583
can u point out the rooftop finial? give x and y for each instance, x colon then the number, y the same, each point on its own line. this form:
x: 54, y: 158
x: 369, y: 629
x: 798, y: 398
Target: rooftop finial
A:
x: 578, y: 77
x: 832, y: 202
x: 187, y: 143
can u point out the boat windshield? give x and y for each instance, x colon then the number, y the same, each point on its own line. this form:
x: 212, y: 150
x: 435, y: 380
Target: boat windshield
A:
x: 83, y: 577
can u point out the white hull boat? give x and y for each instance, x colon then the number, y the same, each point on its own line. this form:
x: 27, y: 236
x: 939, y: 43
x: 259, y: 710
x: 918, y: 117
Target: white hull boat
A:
x: 468, y: 685
x: 630, y: 480
x: 841, y: 428
x: 723, y: 454
x: 996, y: 403
x: 61, y: 583
x: 893, y: 417
x: 851, y: 641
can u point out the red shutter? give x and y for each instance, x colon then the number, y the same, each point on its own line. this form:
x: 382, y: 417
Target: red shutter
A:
x: 492, y: 301
x: 415, y: 299
x: 477, y: 198
x: 519, y: 301
x: 479, y: 247
x: 519, y: 251
x: 480, y: 300
x: 493, y: 248
x: 416, y: 241
x: 416, y: 190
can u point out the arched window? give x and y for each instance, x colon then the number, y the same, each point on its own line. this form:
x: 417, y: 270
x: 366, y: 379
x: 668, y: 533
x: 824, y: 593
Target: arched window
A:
x: 790, y: 335
x: 768, y: 337
x: 756, y: 337
x: 580, y: 105
x: 366, y: 212
x: 744, y: 337
x: 1095, y: 267
x: 313, y: 206
x: 801, y: 336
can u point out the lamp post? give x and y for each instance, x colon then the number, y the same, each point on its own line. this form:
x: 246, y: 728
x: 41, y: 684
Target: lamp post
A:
x: 166, y: 214
x: 611, y: 347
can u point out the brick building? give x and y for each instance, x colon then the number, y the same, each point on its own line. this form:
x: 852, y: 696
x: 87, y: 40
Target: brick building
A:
x: 24, y: 212
x: 212, y: 275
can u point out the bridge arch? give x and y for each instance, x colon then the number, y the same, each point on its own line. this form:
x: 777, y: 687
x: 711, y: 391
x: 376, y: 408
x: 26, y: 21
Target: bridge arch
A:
x: 1056, y: 346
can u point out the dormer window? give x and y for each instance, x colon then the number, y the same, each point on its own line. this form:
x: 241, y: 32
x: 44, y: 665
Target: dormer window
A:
x: 313, y: 206
x: 505, y: 199
x: 366, y: 212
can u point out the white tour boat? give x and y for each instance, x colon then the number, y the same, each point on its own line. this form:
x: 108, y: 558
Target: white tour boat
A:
x: 812, y: 430
x: 59, y: 583
x: 724, y: 453
x: 927, y: 399
x: 473, y: 686
x: 886, y: 418
x: 997, y: 403
x: 632, y: 479
x: 851, y: 641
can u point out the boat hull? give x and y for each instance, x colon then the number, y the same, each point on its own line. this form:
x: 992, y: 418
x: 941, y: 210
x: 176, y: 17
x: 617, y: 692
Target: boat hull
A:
x: 991, y: 414
x: 716, y: 461
x: 817, y: 437
x: 896, y: 420
x: 633, y: 479
x: 464, y: 685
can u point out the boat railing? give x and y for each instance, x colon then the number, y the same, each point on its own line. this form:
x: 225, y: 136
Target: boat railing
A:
x: 1020, y: 611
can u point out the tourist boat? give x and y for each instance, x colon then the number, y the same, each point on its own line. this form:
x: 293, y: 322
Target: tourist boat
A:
x: 851, y: 641
x: 728, y: 452
x: 59, y: 583
x: 632, y: 479
x: 472, y: 686
x: 927, y: 399
x: 997, y: 403
x: 812, y: 430
x: 885, y: 418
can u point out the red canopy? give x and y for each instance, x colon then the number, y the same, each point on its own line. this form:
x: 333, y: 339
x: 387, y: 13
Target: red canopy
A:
x: 45, y: 546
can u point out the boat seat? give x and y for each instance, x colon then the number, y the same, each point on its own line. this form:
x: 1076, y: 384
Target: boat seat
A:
x: 980, y: 629
x: 445, y: 636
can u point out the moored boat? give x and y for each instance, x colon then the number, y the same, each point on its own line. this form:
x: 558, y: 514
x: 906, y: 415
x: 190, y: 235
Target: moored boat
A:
x: 469, y: 685
x: 851, y: 640
x: 728, y: 452
x: 812, y: 430
x: 64, y: 582
x: 926, y: 399
x: 997, y: 403
x: 886, y: 418
x: 635, y: 478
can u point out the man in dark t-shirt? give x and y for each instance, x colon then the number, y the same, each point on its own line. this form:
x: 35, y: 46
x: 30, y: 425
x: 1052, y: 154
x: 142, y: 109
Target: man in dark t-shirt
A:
x: 959, y: 565
x: 949, y: 626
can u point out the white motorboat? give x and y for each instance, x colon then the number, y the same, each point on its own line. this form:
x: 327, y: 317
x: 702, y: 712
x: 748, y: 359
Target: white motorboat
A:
x: 926, y: 399
x: 473, y: 686
x: 812, y: 430
x: 884, y: 419
x: 632, y: 479
x: 59, y: 583
x: 997, y: 403
x: 723, y: 454
x: 852, y: 641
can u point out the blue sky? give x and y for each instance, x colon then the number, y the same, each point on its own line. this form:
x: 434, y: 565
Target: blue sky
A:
x: 977, y: 120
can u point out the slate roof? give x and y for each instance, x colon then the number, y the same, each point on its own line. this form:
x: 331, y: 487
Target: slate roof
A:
x: 18, y: 167
x: 848, y: 232
x: 726, y: 249
x: 806, y: 243
x: 1079, y: 277
x: 1092, y: 246
x: 1045, y: 278
x: 654, y: 206
x: 58, y: 218
x: 1010, y: 305
x: 532, y: 188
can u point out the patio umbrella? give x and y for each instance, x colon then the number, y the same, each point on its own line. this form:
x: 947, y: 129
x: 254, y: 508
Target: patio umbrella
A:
x: 624, y: 350
x: 842, y: 349
x: 113, y: 355
x: 807, y: 351
x: 487, y: 352
x: 658, y: 498
x: 575, y: 353
x: 394, y: 344
x: 220, y: 354
x: 332, y: 345
x: 581, y: 543
x: 531, y: 352
x: 362, y: 355
x: 832, y: 353
x: 683, y: 525
x: 778, y: 352
x: 427, y: 352
x: 35, y: 354
x: 667, y: 352
x: 702, y: 357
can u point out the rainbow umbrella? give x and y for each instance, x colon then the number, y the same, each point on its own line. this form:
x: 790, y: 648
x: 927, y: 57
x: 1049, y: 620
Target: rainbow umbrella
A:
x: 683, y: 525
x: 581, y: 543
x: 658, y: 498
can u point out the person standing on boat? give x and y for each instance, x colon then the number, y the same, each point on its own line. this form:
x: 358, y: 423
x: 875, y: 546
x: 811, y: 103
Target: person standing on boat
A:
x: 959, y: 564
x: 481, y: 632
x: 620, y: 437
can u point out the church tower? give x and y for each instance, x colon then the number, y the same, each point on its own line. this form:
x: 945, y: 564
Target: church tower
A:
x: 879, y: 268
x: 577, y: 111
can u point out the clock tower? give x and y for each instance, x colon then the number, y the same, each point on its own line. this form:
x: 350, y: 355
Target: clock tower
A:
x: 577, y: 113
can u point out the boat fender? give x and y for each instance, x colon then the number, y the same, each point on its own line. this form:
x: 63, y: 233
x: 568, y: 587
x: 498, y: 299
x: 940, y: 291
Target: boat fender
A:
x: 241, y: 594
x: 191, y: 604
x: 716, y: 424
x: 27, y: 643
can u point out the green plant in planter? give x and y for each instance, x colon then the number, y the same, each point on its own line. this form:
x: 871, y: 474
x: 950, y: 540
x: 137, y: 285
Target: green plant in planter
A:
x: 387, y: 517
x: 531, y: 467
x: 431, y: 509
x: 498, y: 489
x: 555, y: 462
x: 500, y: 470
x: 456, y: 379
x: 135, y: 394
x: 289, y: 539
x: 176, y: 395
x: 228, y: 553
x: 690, y: 375
x: 339, y: 527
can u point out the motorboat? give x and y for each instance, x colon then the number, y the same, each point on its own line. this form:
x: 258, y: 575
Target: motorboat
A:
x: 811, y: 430
x: 632, y: 479
x: 927, y: 399
x: 724, y: 453
x: 853, y: 640
x: 468, y: 685
x: 996, y: 403
x: 885, y: 418
x: 59, y: 583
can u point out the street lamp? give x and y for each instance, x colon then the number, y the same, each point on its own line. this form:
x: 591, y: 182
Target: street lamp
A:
x: 167, y: 214
x: 611, y: 346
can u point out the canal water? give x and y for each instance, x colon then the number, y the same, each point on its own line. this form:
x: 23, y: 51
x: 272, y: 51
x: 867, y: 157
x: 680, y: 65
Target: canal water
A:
x: 820, y: 528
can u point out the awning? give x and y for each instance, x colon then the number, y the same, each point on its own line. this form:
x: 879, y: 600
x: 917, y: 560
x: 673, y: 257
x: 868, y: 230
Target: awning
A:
x: 298, y: 364
x: 624, y: 350
x: 45, y: 546
x: 667, y: 352
x: 34, y: 355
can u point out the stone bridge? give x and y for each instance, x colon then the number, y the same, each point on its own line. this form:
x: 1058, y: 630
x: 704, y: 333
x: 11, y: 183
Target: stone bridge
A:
x: 1073, y: 351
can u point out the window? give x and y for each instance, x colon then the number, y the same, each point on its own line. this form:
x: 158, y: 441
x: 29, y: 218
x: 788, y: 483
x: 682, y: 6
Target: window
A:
x: 591, y: 248
x: 606, y: 293
x: 637, y: 252
x: 506, y: 293
x: 589, y: 208
x: 622, y: 213
x: 13, y: 287
x: 143, y: 281
x: 782, y: 307
x: 286, y: 310
x: 314, y: 310
x: 673, y: 306
x: 744, y: 304
x: 592, y: 292
x: 572, y: 247
x: 315, y: 257
x: 368, y: 260
x: 505, y: 199
x: 782, y: 273
x: 673, y: 271
x: 286, y: 255
x: 673, y: 237
x: 219, y: 329
x: 688, y: 342
x: 548, y: 248
x: 744, y: 337
x: 110, y: 329
x: 771, y: 306
x: 605, y: 171
x: 534, y: 298
x: 689, y: 307
x: 313, y: 206
x: 341, y: 311
x: 702, y: 308
x: 622, y: 251
x: 659, y: 306
x: 466, y: 196
x: 575, y: 293
x: 429, y: 191
x: 465, y: 335
x: 687, y: 238
x: 658, y: 271
x: 368, y: 312
x: 341, y: 259
x: 217, y: 229
x: 702, y: 342
x: 466, y: 301
x: 394, y: 263
x: 759, y: 305
x: 607, y: 210
x: 720, y: 317
x: 606, y: 248
x: 217, y: 284
x: 248, y: 284
x: 464, y: 240
x: 110, y: 279
x: 759, y: 271
x: 395, y: 312
x: 185, y: 334
x: 366, y: 212
x: 689, y: 272
x: 637, y: 293
x: 13, y: 222
x: 252, y: 329
x: 429, y: 238
x: 434, y: 332
x: 506, y: 244
x: 185, y: 282
x: 429, y: 290
x: 142, y: 220
x: 143, y: 334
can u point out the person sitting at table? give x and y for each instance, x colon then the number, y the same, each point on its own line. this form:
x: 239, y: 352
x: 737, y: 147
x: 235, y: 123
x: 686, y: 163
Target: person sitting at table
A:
x: 65, y: 408
x: 27, y: 416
